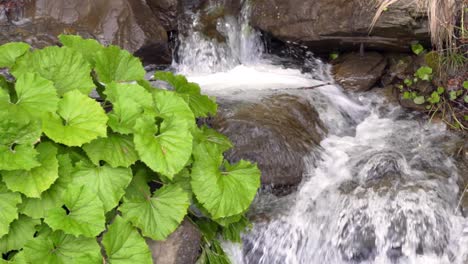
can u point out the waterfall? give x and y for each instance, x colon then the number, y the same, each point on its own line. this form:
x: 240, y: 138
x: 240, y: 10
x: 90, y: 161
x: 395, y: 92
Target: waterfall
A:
x: 237, y: 42
x: 385, y: 188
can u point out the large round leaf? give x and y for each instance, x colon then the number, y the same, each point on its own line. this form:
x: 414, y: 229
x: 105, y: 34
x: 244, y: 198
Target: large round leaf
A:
x: 10, y: 52
x: 129, y: 102
x: 21, y: 231
x: 169, y: 105
x: 81, y: 214
x: 8, y: 212
x: 107, y: 182
x: 86, y: 47
x: 38, y: 207
x: 59, y: 248
x: 17, y: 139
x: 124, y: 245
x: 35, y: 181
x: 115, y: 64
x: 201, y: 105
x: 80, y: 119
x: 158, y: 215
x: 117, y: 150
x: 34, y: 97
x: 223, y: 193
x: 66, y: 68
x: 165, y: 149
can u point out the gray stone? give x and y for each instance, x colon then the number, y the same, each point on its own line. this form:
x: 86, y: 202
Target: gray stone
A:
x: 128, y: 23
x: 325, y: 25
x: 277, y: 132
x: 356, y: 72
x: 181, y: 247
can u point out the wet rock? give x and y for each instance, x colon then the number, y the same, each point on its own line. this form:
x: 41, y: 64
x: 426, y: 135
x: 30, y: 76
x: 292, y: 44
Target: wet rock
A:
x: 166, y: 11
x: 325, y: 25
x: 399, y: 65
x: 411, y: 105
x: 277, y: 132
x: 357, y: 239
x: 181, y: 247
x: 128, y: 23
x: 356, y: 72
x: 390, y: 93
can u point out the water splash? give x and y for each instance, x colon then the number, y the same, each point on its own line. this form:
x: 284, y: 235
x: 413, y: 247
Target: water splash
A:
x: 385, y: 194
x: 239, y: 43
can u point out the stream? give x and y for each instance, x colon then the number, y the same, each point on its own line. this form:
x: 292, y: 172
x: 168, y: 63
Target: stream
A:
x: 382, y: 187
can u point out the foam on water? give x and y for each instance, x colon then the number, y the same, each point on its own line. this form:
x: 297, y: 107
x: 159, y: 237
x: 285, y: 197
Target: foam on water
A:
x: 253, y: 77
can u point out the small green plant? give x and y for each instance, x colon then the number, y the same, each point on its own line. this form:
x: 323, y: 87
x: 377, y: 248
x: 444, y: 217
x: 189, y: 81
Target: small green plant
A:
x: 424, y: 73
x: 417, y: 48
x: 121, y: 168
x: 334, y: 55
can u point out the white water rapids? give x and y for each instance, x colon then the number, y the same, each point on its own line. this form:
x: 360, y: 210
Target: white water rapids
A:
x: 385, y: 189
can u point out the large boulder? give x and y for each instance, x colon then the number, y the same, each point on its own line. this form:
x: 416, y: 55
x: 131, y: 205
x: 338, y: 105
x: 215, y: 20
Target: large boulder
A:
x: 331, y: 24
x: 278, y: 132
x: 359, y: 72
x: 181, y: 247
x: 128, y: 23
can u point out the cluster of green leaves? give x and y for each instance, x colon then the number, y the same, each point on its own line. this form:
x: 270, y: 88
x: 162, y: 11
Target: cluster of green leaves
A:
x: 440, y: 99
x: 76, y: 170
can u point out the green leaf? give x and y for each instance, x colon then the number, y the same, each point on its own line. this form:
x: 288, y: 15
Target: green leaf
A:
x: 158, y: 215
x: 138, y: 187
x: 182, y: 179
x: 124, y: 245
x: 334, y: 55
x: 66, y: 68
x: 80, y: 119
x: 21, y: 231
x: 17, y: 139
x: 201, y: 105
x: 34, y: 97
x: 417, y: 48
x: 465, y: 85
x: 440, y: 90
x: 233, y: 231
x: 169, y: 105
x: 108, y: 183
x: 213, y: 253
x: 10, y: 52
x: 8, y: 212
x: 208, y: 135
x: 435, y: 98
x: 424, y: 73
x: 223, y: 193
x: 406, y: 95
x: 34, y: 182
x: 86, y: 47
x: 129, y: 102
x: 207, y: 227
x: 117, y: 150
x: 59, y: 248
x: 165, y: 149
x: 408, y: 82
x: 419, y: 100
x: 115, y: 64
x: 38, y: 208
x: 466, y: 99
x: 453, y: 95
x: 82, y: 213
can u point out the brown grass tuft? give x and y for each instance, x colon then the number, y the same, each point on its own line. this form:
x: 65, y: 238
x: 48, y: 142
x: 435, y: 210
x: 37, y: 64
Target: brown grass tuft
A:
x: 442, y: 16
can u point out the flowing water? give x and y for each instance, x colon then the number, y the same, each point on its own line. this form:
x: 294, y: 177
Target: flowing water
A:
x: 385, y: 188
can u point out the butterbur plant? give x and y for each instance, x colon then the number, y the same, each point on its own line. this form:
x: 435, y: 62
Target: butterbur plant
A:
x: 84, y: 180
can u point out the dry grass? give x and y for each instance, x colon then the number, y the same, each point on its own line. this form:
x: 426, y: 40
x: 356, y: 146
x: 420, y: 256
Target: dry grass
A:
x: 442, y: 16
